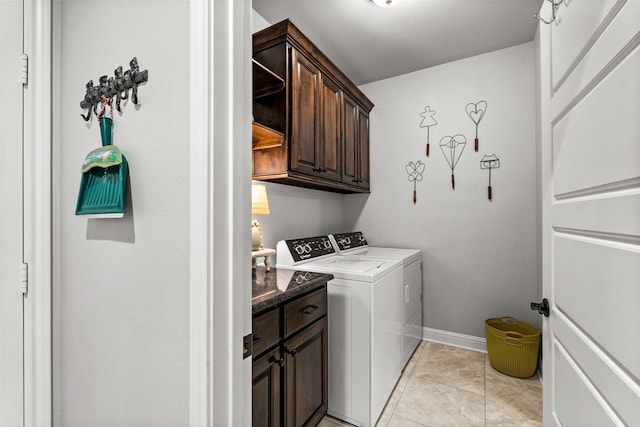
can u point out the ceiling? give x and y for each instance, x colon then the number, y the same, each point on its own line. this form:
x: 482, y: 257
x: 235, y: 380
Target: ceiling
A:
x: 370, y: 43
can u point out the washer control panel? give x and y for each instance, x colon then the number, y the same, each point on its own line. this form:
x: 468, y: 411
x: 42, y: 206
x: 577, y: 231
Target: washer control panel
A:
x: 350, y: 240
x: 309, y: 247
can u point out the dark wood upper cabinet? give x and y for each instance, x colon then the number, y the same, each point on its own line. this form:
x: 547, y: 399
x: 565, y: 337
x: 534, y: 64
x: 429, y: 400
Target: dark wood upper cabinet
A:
x: 310, y: 110
x: 330, y: 135
x: 305, y: 124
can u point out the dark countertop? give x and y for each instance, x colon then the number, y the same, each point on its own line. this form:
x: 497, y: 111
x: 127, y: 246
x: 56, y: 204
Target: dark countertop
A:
x: 279, y: 285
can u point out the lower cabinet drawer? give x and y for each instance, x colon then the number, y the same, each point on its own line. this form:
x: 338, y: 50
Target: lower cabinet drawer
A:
x: 266, y: 331
x: 304, y: 311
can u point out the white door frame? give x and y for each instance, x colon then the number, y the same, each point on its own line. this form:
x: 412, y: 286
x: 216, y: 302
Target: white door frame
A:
x: 220, y: 112
x: 37, y: 211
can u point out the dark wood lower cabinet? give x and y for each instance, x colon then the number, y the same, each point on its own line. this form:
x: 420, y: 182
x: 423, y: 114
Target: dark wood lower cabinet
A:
x: 290, y: 386
x: 266, y: 389
x: 305, y: 368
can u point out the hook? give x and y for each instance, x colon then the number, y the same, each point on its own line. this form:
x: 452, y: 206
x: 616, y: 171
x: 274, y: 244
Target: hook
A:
x: 113, y: 88
x: 554, y: 7
x: 540, y: 18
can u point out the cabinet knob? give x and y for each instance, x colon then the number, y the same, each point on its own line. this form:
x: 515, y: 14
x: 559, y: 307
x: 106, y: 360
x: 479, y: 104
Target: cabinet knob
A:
x: 291, y: 352
x: 277, y: 360
x: 309, y: 309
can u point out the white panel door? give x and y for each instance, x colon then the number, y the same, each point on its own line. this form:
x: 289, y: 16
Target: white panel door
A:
x: 590, y: 135
x: 11, y: 225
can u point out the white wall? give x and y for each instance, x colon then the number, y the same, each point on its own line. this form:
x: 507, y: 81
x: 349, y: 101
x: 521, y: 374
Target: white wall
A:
x: 121, y: 286
x: 480, y: 256
x: 297, y: 212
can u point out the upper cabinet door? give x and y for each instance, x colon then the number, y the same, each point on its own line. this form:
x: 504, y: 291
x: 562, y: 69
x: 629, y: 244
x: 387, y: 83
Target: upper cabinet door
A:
x: 330, y: 125
x: 363, y: 148
x: 305, y: 132
x: 350, y: 141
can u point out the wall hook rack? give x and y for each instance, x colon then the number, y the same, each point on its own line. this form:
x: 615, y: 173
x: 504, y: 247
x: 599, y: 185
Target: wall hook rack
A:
x: 554, y: 7
x: 116, y: 86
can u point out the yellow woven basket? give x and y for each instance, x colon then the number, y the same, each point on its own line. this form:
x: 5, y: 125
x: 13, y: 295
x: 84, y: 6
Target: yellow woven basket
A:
x: 512, y: 346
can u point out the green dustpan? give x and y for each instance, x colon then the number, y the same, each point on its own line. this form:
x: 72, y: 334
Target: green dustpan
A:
x: 104, y: 179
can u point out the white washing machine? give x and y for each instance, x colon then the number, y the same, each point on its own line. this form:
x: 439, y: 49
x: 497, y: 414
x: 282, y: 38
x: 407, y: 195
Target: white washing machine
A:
x: 365, y: 325
x: 350, y: 244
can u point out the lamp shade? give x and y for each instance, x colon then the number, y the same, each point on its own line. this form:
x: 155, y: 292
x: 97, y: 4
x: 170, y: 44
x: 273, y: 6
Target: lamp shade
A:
x: 259, y: 201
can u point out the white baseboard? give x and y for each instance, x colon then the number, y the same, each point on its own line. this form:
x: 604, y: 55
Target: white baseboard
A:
x: 455, y: 339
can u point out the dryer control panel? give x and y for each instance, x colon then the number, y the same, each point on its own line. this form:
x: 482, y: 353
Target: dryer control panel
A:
x: 350, y: 240
x: 309, y: 247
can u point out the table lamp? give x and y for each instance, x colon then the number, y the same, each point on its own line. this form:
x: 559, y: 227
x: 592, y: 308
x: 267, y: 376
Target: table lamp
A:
x: 259, y: 206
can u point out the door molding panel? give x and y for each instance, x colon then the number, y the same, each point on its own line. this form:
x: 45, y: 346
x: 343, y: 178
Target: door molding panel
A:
x: 220, y: 308
x: 38, y: 205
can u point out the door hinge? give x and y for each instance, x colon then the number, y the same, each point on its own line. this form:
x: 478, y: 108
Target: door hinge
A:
x: 25, y: 69
x: 247, y: 346
x: 24, y: 278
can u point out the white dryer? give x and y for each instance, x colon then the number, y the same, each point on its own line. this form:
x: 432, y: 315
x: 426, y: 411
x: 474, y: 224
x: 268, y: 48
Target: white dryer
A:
x: 365, y: 328
x: 355, y: 243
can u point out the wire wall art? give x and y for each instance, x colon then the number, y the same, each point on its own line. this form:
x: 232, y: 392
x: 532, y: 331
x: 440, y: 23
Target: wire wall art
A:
x: 476, y: 113
x: 427, y: 122
x: 452, y: 148
x: 489, y: 162
x: 414, y: 174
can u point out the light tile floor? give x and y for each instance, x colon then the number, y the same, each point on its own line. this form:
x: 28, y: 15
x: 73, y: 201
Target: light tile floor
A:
x: 449, y: 386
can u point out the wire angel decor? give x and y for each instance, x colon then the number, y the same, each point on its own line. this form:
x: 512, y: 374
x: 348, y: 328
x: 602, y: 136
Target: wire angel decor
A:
x: 414, y: 174
x: 476, y: 113
x: 489, y: 162
x: 427, y: 122
x: 452, y: 148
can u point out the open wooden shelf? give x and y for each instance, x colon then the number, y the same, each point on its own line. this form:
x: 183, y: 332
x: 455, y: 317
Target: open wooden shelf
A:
x: 264, y: 137
x: 265, y: 81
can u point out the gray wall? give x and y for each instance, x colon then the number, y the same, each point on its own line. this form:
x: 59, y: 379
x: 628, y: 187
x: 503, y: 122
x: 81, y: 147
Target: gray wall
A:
x: 480, y: 256
x: 299, y: 212
x: 121, y: 286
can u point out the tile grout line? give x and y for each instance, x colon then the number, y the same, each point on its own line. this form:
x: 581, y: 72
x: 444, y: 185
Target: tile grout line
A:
x: 485, y: 390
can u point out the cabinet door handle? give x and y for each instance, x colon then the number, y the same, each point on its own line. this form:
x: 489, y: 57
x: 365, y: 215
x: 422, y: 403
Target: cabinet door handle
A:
x: 309, y: 309
x: 291, y: 352
x: 277, y: 361
x: 324, y: 170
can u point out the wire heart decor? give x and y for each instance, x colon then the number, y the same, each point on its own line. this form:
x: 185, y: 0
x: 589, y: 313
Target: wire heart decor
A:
x: 476, y: 111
